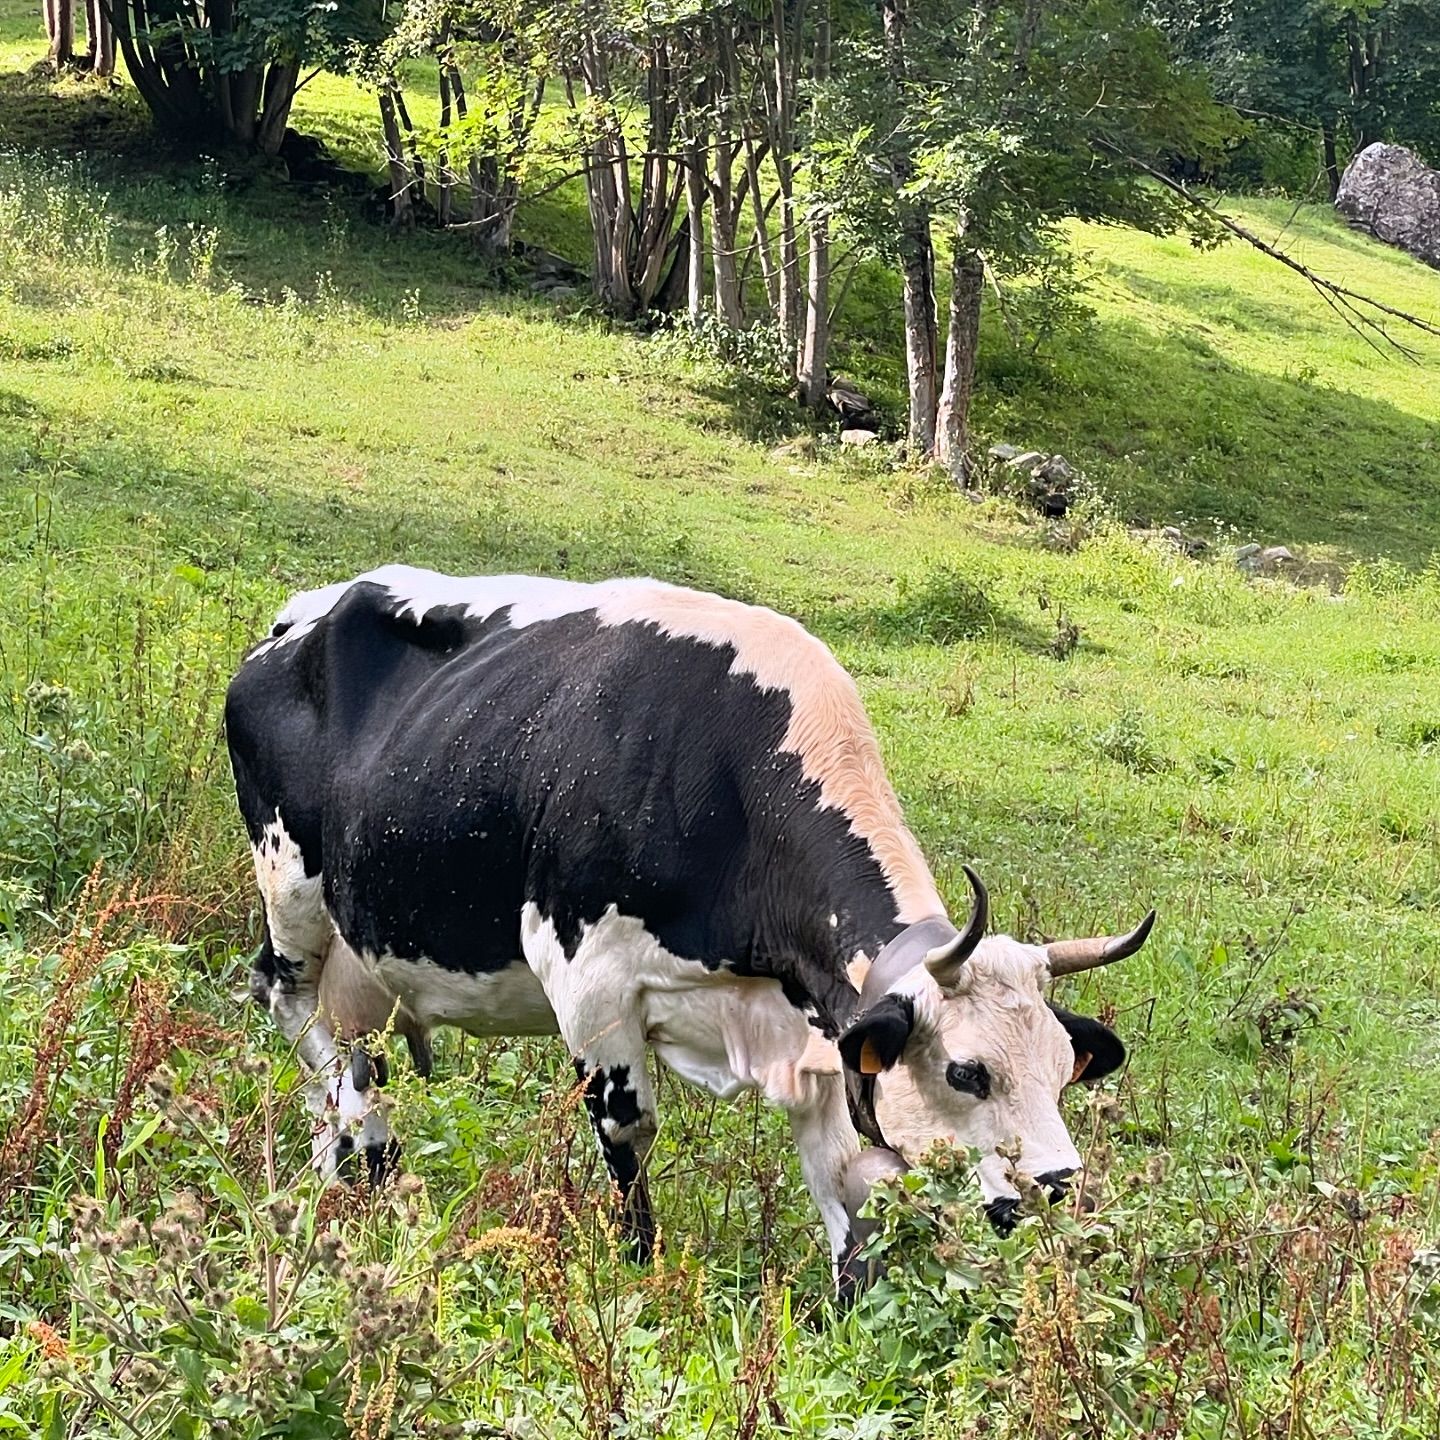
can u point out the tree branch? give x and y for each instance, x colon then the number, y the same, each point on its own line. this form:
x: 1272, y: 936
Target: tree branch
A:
x: 1345, y: 302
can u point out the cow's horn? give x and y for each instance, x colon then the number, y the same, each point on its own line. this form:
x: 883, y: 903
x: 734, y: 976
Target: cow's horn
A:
x: 1069, y: 957
x: 944, y: 961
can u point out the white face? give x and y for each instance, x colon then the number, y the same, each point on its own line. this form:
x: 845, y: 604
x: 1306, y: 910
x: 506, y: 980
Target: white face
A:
x: 984, y: 1067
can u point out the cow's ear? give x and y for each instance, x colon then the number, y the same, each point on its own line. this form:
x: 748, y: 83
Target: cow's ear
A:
x: 1098, y: 1051
x: 875, y: 1041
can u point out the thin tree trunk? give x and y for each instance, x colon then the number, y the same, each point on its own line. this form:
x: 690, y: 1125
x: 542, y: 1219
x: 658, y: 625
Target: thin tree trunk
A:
x: 281, y: 80
x: 445, y: 179
x: 762, y: 229
x: 962, y: 344
x: 60, y: 31
x: 695, y: 217
x: 724, y: 209
x: 781, y: 117
x: 100, y: 52
x: 917, y: 261
x: 917, y: 257
x: 402, y: 209
x: 816, y: 345
x: 1332, y: 163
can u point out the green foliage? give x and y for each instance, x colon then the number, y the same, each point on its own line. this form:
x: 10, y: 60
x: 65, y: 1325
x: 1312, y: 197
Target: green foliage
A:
x: 1013, y: 117
x: 184, y: 443
x: 1361, y: 70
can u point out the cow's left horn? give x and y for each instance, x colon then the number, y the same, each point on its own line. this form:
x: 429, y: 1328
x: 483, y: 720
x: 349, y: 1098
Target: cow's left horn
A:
x: 1069, y: 957
x: 944, y: 961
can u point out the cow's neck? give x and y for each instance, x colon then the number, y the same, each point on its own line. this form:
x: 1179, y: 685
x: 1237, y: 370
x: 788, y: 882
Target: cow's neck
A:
x: 823, y: 913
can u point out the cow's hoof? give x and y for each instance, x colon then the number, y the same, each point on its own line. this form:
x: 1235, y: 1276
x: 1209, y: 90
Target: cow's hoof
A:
x: 373, y: 1165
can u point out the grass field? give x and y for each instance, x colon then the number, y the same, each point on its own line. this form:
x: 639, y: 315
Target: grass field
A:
x: 213, y: 392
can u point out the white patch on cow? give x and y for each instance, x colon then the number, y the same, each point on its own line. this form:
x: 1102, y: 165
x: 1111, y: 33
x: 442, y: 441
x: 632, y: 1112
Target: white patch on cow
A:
x: 502, y: 1002
x: 997, y: 1014
x: 300, y: 926
x: 622, y: 992
x: 322, y: 1003
x: 828, y: 728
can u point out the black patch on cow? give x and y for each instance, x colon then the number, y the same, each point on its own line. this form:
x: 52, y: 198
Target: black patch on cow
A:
x: 443, y: 774
x: 269, y: 968
x: 969, y: 1077
x: 1003, y: 1214
x: 883, y: 1030
x: 1090, y: 1037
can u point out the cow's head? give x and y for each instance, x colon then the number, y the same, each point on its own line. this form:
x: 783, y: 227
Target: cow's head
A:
x: 963, y: 1047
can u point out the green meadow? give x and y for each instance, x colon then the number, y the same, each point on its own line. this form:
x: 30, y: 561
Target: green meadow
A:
x: 216, y: 389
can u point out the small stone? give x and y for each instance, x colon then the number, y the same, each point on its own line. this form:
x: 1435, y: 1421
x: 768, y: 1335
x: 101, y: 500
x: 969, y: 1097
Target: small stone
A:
x: 801, y: 448
x: 1004, y: 452
x: 1186, y: 544
x: 858, y: 437
x: 1028, y: 461
x: 562, y: 292
x: 1276, y: 555
x: 1057, y: 469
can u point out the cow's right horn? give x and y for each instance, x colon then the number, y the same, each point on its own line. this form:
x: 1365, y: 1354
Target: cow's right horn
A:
x: 1069, y: 957
x: 944, y: 961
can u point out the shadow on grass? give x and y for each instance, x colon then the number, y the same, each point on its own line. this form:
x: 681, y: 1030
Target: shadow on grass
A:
x: 1175, y: 431
x: 274, y: 233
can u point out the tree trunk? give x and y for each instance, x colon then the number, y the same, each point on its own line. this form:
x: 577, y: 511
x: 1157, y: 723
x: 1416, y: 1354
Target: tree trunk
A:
x: 695, y: 219
x: 724, y: 207
x: 60, y: 31
x: 962, y: 344
x: 917, y: 259
x: 814, y: 352
x: 281, y: 80
x: 100, y: 51
x: 780, y: 103
x: 1332, y: 165
x: 444, y: 178
x: 402, y: 209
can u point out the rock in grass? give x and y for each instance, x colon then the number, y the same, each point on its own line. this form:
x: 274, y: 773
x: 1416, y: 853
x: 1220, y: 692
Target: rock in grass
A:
x: 1185, y: 544
x: 1004, y: 452
x: 1389, y: 191
x: 858, y: 437
x: 1027, y: 461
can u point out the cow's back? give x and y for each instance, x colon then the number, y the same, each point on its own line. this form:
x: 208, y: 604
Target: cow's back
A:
x: 446, y: 770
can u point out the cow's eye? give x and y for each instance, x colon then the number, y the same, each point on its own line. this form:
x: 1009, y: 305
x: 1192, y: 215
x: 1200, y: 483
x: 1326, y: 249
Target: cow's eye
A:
x: 970, y: 1077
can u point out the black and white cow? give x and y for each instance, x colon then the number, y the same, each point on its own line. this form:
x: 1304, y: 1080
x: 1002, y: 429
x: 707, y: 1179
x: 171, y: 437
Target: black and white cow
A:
x: 650, y: 819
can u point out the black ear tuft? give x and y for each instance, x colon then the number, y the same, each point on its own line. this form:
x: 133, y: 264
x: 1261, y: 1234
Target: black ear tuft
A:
x: 875, y: 1041
x: 1099, y: 1042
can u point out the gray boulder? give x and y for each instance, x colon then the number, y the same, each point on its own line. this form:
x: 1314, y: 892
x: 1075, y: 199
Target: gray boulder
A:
x: 858, y: 437
x: 1393, y: 194
x: 1028, y: 461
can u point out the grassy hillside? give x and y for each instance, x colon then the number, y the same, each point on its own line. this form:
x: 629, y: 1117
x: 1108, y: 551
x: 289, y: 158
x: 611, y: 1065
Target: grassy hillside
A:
x: 214, y: 392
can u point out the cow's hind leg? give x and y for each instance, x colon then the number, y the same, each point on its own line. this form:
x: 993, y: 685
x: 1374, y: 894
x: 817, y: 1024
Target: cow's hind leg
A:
x: 348, y: 1127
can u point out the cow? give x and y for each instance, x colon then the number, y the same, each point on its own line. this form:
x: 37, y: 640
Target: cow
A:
x: 650, y: 819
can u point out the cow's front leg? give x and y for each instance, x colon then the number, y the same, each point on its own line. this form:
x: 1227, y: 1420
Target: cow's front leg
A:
x: 828, y: 1147
x: 621, y: 1104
